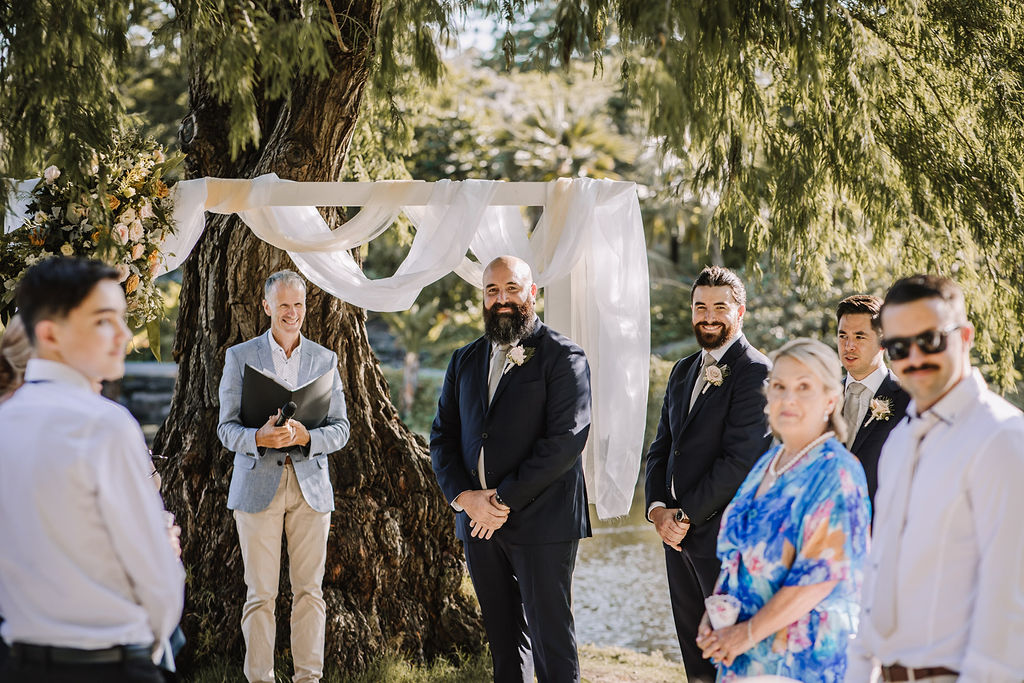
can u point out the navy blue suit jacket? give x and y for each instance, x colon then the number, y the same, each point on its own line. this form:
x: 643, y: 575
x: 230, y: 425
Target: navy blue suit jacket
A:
x: 867, y: 445
x: 533, y: 432
x: 708, y: 451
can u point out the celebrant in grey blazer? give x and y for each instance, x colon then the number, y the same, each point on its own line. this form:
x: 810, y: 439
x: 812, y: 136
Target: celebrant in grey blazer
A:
x: 281, y: 481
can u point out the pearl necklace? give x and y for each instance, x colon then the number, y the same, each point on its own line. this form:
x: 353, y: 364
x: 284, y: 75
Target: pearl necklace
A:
x: 777, y: 472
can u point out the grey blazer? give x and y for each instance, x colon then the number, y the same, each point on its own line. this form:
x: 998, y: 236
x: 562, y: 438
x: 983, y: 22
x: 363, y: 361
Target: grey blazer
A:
x: 257, y: 471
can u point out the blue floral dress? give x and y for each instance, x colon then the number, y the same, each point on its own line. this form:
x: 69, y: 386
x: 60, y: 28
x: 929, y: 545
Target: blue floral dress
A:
x: 810, y: 526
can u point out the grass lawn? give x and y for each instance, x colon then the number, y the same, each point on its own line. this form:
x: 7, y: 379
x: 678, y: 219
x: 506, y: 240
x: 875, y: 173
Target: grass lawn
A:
x: 598, y: 665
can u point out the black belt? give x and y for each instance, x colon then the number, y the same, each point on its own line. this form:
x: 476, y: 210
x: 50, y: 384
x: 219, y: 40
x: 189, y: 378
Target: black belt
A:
x: 47, y: 654
x: 897, y: 673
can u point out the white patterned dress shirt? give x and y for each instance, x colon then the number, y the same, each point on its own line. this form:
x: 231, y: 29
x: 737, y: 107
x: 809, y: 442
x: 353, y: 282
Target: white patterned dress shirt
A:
x: 286, y: 367
x: 85, y: 560
x: 960, y: 577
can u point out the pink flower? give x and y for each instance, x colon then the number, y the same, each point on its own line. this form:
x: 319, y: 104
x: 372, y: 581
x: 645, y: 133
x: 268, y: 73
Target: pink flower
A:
x: 50, y: 174
x: 146, y: 211
x: 120, y: 233
x: 137, y: 251
x: 122, y: 272
x: 135, y: 231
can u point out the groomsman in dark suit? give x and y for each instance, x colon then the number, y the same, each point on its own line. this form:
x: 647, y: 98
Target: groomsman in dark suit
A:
x: 505, y: 445
x: 874, y: 401
x: 713, y: 429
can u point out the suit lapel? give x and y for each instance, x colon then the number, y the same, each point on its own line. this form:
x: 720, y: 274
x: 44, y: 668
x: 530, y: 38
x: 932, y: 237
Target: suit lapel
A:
x: 480, y: 366
x: 263, y: 355
x: 306, y: 361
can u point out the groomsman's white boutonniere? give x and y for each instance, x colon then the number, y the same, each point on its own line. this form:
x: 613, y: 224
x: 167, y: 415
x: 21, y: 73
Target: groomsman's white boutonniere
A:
x: 714, y: 375
x: 517, y: 355
x: 881, y: 410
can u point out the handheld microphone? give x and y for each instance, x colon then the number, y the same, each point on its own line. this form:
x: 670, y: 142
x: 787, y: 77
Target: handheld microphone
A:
x: 287, y: 411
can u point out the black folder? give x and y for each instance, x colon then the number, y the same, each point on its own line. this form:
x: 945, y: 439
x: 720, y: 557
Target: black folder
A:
x: 263, y: 395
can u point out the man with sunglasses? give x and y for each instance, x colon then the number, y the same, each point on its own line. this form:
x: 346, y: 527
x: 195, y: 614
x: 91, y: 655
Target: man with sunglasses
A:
x: 942, y: 593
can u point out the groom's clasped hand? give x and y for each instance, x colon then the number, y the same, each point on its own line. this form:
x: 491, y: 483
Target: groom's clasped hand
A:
x: 486, y: 514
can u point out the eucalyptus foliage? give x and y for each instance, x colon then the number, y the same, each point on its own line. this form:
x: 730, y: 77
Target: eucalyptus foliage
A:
x: 884, y: 135
x: 875, y: 133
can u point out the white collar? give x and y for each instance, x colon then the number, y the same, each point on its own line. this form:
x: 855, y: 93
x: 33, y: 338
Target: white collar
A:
x: 41, y: 370
x: 277, y: 348
x: 719, y: 353
x: 872, y: 381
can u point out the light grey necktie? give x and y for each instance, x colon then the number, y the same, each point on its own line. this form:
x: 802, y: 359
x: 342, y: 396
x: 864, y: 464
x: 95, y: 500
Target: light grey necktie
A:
x: 493, y: 377
x: 497, y: 367
x: 883, y: 604
x: 702, y: 377
x: 851, y: 409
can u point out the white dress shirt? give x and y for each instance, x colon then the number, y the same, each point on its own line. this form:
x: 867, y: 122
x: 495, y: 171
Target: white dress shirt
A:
x: 286, y: 367
x: 960, y: 577
x: 872, y: 382
x: 85, y: 559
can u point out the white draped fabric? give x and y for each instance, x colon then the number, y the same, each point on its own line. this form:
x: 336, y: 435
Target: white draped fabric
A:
x: 587, y: 252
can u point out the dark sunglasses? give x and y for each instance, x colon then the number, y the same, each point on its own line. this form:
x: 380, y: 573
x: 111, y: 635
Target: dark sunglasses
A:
x: 932, y: 341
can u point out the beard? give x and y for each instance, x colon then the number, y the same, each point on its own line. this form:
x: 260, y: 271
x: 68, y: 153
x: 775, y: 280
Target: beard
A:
x: 509, y: 325
x: 712, y: 336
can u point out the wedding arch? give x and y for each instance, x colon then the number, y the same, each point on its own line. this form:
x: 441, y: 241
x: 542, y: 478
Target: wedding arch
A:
x: 587, y: 251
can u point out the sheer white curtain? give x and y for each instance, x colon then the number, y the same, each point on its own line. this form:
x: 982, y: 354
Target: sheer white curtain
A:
x: 587, y: 252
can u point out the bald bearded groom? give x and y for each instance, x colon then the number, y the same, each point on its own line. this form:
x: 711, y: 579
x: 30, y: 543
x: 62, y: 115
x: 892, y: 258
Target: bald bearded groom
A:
x: 511, y: 424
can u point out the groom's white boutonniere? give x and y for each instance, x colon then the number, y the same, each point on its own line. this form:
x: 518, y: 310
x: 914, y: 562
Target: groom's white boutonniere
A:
x: 714, y: 375
x: 881, y: 410
x: 517, y: 355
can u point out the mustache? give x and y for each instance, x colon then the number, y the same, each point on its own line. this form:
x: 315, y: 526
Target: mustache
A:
x: 920, y: 368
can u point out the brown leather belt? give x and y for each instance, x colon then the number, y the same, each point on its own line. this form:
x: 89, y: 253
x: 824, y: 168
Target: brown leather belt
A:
x: 897, y: 673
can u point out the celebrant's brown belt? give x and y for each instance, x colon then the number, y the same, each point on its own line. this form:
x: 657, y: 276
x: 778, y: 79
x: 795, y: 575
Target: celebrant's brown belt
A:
x: 897, y: 673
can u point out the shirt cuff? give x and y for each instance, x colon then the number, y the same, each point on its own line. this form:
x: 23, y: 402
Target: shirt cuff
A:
x: 652, y: 506
x: 456, y: 506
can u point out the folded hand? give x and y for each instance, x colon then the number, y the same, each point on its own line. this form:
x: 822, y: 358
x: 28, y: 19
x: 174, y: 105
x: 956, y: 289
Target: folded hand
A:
x: 485, y: 514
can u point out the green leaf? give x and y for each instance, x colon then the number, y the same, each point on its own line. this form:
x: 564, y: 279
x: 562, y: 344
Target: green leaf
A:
x: 153, y: 332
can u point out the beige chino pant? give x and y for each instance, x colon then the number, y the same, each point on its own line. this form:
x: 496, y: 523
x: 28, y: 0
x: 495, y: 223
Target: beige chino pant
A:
x: 259, y: 535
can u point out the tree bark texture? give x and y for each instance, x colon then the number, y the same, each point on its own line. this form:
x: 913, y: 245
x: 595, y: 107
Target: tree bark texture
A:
x: 394, y: 567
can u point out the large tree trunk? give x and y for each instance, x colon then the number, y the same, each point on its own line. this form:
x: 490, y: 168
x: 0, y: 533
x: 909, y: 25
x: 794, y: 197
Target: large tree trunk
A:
x: 394, y: 568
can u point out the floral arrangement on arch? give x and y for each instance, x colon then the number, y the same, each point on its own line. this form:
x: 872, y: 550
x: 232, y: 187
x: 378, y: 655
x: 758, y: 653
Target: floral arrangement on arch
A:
x: 120, y: 215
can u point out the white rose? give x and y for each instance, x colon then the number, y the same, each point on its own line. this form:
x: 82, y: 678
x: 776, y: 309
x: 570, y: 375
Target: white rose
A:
x: 10, y: 284
x: 67, y: 249
x: 517, y: 355
x: 127, y: 216
x: 40, y: 217
x: 135, y: 232
x: 51, y: 174
x: 714, y: 374
x: 146, y: 211
x: 137, y: 251
x: 122, y: 272
x: 120, y: 233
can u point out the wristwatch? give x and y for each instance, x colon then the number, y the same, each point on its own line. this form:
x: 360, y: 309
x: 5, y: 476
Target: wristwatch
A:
x: 682, y: 516
x: 499, y: 501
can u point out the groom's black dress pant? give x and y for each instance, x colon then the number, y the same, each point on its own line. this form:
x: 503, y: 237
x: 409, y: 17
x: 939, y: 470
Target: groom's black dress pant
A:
x: 525, y: 594
x: 691, y: 578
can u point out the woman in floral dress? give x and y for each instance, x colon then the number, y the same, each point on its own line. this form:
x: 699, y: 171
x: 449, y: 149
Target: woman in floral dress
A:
x: 794, y: 538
